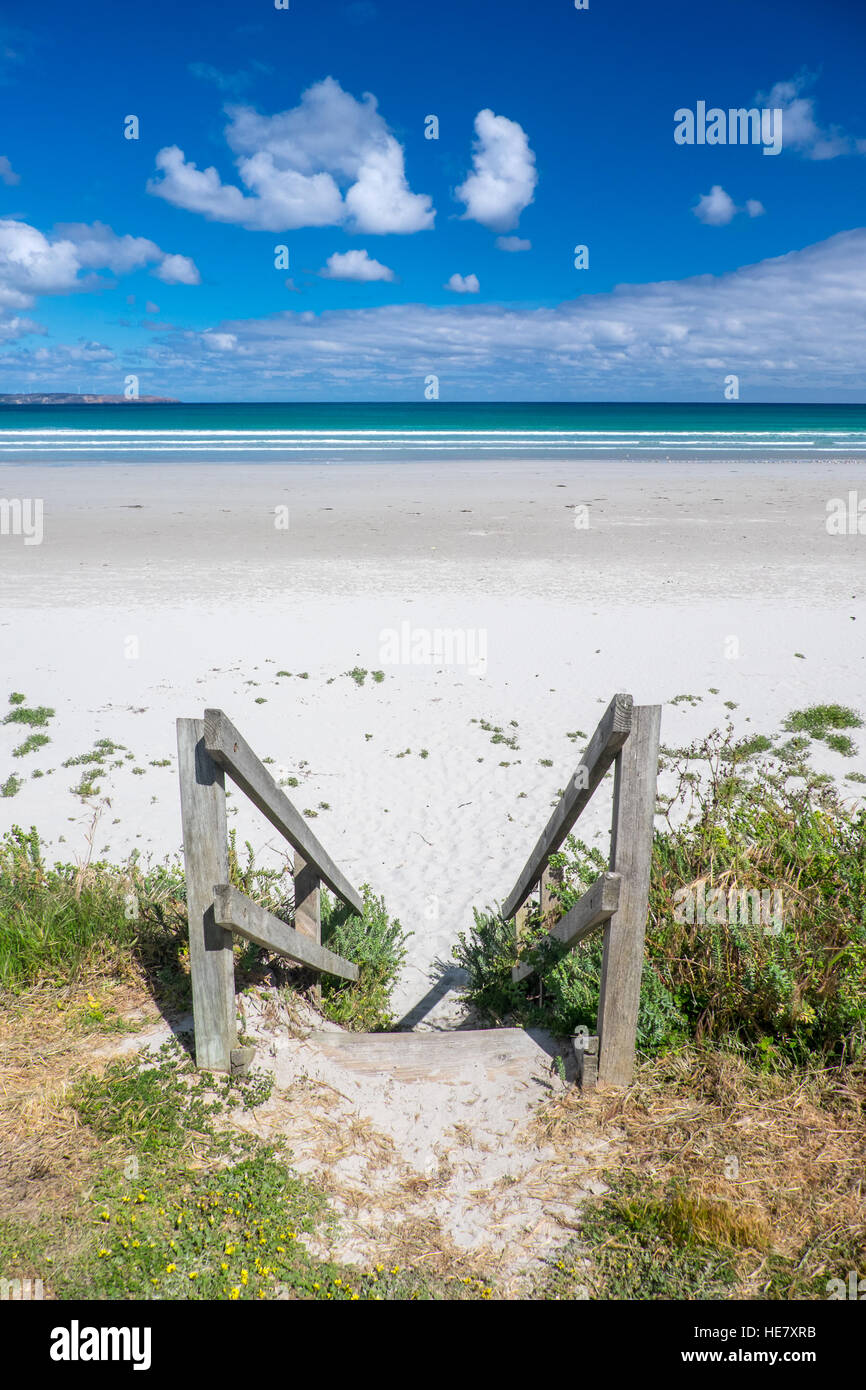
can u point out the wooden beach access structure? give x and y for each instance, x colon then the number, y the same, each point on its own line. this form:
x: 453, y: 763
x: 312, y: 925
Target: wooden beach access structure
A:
x: 617, y: 903
x: 627, y: 738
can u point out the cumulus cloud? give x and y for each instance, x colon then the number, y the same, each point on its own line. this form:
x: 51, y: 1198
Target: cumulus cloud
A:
x: 800, y: 128
x: 33, y: 264
x: 789, y: 324
x: 717, y: 208
x: 355, y: 265
x: 329, y: 161
x: 7, y: 173
x: 513, y: 243
x: 177, y: 270
x: 503, y: 178
x: 462, y: 284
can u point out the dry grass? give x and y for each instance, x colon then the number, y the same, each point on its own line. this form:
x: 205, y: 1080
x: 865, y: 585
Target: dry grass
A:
x: 769, y: 1164
x: 46, y: 1045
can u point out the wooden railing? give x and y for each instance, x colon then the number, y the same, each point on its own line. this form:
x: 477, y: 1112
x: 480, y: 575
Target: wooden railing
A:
x: 628, y: 737
x: 207, y: 750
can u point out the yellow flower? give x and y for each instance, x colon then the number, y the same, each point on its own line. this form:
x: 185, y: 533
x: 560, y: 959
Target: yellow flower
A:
x: 245, y: 1278
x: 169, y: 1269
x: 106, y: 1216
x: 223, y: 1266
x: 230, y: 1249
x: 235, y: 1293
x: 104, y: 1252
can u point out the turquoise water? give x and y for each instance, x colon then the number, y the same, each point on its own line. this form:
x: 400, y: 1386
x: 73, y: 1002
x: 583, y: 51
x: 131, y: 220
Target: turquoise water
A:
x: 339, y: 432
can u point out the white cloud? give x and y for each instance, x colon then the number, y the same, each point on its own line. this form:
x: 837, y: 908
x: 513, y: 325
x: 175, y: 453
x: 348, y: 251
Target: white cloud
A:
x: 7, y: 173
x: 355, y: 265
x: 800, y: 128
x: 177, y: 270
x: 513, y: 243
x: 503, y: 178
x: 792, y: 324
x: 33, y: 264
x: 462, y: 284
x: 329, y: 161
x: 220, y: 342
x: 717, y: 208
x: 18, y: 327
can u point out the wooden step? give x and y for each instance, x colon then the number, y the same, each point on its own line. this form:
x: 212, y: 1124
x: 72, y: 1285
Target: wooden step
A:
x: 448, y: 1057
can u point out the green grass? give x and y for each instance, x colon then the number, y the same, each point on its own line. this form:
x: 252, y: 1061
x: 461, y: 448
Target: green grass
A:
x: 795, y: 992
x: 645, y: 1241
x: 58, y: 924
x: 37, y: 717
x: 824, y: 722
x: 184, y: 1206
x: 30, y: 744
x: 11, y: 786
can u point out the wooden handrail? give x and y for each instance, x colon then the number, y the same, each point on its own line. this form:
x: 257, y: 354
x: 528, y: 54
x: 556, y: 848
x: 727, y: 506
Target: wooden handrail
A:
x: 618, y: 901
x: 207, y: 749
x: 238, y: 913
x: 596, y: 907
x: 231, y: 751
x: 606, y: 742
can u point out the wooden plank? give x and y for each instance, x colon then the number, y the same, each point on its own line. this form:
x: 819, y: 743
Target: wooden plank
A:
x: 205, y: 852
x: 596, y: 907
x: 239, y: 913
x: 548, y: 904
x: 308, y: 905
x: 308, y: 908
x: 608, y: 739
x: 231, y: 750
x: 631, y: 856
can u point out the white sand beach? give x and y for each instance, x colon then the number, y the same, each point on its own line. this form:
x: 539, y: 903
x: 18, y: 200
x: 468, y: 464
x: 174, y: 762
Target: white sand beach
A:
x: 157, y: 592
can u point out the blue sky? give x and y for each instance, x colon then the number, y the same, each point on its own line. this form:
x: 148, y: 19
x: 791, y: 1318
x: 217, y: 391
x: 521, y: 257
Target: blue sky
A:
x: 556, y: 128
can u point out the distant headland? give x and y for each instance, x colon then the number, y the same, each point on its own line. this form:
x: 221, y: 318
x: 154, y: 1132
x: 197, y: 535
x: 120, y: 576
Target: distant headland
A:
x: 73, y: 398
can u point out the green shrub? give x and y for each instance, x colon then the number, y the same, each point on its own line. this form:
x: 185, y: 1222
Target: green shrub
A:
x: 789, y: 983
x: 377, y: 945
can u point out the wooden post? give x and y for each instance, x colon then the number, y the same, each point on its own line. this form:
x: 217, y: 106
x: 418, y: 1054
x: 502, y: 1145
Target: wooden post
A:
x: 634, y: 798
x: 205, y: 852
x: 308, y: 906
x: 549, y: 904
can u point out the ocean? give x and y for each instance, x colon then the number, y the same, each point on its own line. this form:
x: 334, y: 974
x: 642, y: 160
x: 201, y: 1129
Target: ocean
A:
x: 268, y: 432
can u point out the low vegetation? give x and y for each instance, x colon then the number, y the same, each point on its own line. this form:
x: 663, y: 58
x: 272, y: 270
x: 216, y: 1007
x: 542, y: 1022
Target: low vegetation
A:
x: 757, y: 920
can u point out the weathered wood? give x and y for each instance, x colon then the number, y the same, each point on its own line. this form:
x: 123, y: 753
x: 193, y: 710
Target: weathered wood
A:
x: 548, y: 904
x: 308, y: 906
x: 586, y: 1054
x: 242, y: 1060
x: 597, y: 906
x: 231, y: 750
x: 203, y: 819
x: 630, y: 856
x: 239, y: 913
x: 608, y: 739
